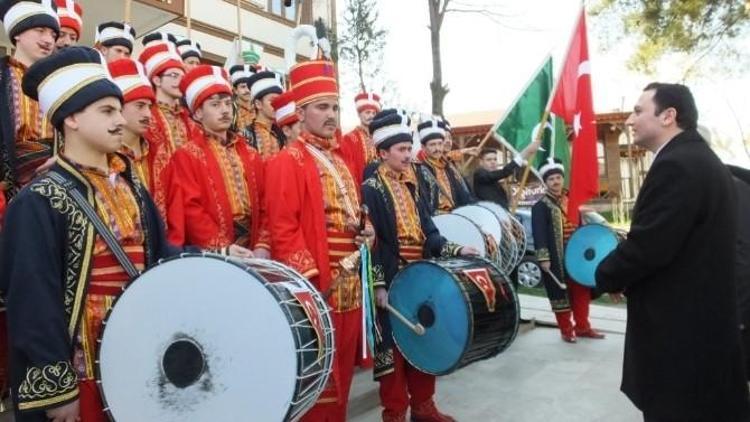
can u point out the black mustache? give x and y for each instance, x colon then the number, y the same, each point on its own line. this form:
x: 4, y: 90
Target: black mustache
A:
x: 330, y: 122
x: 117, y: 131
x: 145, y: 121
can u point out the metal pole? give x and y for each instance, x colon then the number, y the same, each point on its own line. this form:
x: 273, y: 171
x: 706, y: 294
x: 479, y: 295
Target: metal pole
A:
x: 189, y: 20
x: 239, y: 30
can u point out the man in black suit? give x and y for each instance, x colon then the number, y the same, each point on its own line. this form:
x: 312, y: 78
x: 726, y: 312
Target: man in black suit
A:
x: 487, y: 176
x: 682, y: 348
x: 741, y: 178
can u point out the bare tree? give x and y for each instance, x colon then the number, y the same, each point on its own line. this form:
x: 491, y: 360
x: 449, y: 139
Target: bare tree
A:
x: 438, y: 9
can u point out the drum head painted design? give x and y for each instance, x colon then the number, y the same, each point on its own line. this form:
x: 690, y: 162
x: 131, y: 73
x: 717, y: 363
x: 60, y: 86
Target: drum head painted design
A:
x: 586, y: 248
x: 200, y: 340
x: 459, y: 229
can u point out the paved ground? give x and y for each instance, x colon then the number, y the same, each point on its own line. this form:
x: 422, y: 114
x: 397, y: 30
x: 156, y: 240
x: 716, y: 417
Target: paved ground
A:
x: 540, y: 378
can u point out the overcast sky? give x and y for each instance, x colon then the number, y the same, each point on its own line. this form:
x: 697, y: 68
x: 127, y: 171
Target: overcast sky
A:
x: 485, y: 64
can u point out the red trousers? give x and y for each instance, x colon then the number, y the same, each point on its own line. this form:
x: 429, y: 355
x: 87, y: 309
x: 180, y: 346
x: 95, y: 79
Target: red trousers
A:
x: 348, y: 338
x: 580, y: 298
x: 405, y: 386
x: 90, y: 403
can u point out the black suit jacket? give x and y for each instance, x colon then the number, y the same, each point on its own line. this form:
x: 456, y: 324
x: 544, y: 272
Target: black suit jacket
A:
x: 682, y: 350
x: 742, y: 268
x: 486, y: 186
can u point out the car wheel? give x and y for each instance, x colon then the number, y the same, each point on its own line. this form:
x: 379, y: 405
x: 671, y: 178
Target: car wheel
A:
x: 529, y: 273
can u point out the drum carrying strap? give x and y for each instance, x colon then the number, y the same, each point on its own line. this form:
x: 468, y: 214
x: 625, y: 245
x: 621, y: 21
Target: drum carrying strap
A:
x: 99, y: 225
x: 443, y: 192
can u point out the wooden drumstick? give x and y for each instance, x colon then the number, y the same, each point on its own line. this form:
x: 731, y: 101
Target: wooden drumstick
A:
x: 364, y: 212
x: 417, y: 328
x: 562, y: 286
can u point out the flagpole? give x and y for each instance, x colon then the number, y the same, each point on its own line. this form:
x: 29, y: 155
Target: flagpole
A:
x: 189, y: 23
x: 505, y: 114
x: 545, y: 115
x: 527, y: 169
x: 128, y: 4
x: 239, y: 30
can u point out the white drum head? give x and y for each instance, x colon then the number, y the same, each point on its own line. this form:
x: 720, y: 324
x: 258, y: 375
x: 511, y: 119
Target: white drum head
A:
x: 459, y: 229
x: 484, y: 218
x: 497, y: 209
x: 192, y: 310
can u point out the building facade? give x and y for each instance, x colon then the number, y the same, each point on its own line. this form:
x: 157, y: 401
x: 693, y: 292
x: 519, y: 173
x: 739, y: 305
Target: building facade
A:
x: 266, y: 25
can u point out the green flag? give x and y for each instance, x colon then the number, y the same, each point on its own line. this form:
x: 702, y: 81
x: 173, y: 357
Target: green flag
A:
x: 518, y: 126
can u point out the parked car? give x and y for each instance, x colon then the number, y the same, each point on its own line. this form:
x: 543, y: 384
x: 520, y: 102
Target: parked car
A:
x: 528, y: 273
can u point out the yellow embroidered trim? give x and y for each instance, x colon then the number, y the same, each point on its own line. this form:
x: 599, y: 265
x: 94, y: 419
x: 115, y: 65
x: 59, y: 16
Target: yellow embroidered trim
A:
x: 48, y: 402
x: 88, y: 252
x: 50, y: 384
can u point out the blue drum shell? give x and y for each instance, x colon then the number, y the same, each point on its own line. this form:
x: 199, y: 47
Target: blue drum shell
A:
x: 586, y: 248
x: 464, y: 330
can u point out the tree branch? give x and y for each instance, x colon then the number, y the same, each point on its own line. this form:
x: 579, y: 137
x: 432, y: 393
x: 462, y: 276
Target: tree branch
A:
x: 444, y: 8
x: 494, y: 17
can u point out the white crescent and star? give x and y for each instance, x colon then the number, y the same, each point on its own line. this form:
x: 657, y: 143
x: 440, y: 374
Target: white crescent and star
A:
x: 546, y: 126
x: 584, y: 68
x: 577, y: 123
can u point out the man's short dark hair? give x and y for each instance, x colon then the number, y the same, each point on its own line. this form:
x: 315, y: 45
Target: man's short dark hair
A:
x: 680, y: 98
x: 486, y: 151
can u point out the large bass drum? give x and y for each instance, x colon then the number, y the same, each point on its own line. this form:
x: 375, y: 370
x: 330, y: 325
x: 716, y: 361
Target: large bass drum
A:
x: 462, y: 231
x: 468, y: 308
x: 512, y: 227
x: 206, y: 338
x: 586, y: 249
x: 490, y: 223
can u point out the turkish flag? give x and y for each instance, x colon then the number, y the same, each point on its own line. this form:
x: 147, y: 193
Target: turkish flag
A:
x: 573, y: 103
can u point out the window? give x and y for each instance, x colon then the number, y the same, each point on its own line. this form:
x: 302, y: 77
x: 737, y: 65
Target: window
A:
x: 277, y: 7
x: 290, y: 12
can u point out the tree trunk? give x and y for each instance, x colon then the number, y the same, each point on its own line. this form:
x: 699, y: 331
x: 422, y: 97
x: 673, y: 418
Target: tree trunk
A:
x: 360, y: 73
x: 438, y: 90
